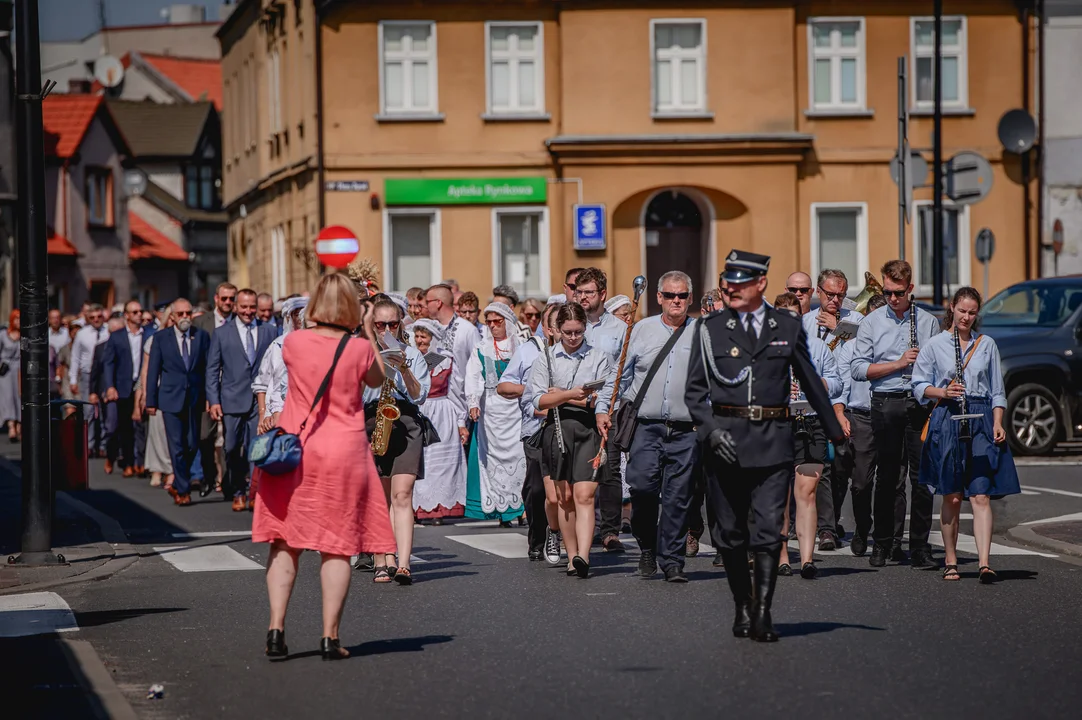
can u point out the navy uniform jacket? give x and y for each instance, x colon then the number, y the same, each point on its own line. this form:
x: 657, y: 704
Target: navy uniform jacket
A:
x: 782, y: 344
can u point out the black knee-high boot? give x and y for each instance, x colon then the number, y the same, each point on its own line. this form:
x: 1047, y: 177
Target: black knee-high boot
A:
x: 736, y: 570
x: 766, y: 575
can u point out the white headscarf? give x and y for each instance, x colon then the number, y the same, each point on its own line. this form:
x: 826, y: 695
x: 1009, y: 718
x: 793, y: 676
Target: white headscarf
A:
x: 288, y: 307
x: 614, y: 304
x: 510, y: 323
x: 434, y: 329
x: 400, y: 300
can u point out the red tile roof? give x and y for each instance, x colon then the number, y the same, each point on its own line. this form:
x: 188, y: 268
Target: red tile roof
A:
x: 66, y: 119
x: 60, y: 245
x: 197, y: 77
x: 148, y: 242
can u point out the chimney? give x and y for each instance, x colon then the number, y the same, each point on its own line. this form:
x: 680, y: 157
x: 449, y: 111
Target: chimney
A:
x: 183, y: 14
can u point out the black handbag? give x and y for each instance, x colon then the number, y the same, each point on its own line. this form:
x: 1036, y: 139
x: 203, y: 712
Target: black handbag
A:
x: 536, y: 442
x: 429, y: 434
x: 627, y: 417
x: 4, y: 369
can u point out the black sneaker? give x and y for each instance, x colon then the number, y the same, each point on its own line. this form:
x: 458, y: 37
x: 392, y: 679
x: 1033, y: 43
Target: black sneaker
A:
x: 858, y: 545
x: 719, y: 561
x: 365, y: 563
x: 552, y: 547
x: 923, y: 560
x: 896, y: 552
x: 808, y: 571
x: 827, y: 541
x: 839, y: 530
x: 535, y: 554
x: 647, y: 564
x: 675, y: 575
x: 879, y: 556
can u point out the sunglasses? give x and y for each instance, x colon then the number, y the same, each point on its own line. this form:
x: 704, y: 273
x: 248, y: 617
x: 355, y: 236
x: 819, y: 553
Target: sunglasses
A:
x: 494, y: 322
x: 799, y: 290
x: 832, y: 296
x: 182, y: 313
x: 675, y: 295
x: 389, y: 325
x: 570, y: 286
x: 531, y: 314
x: 895, y: 293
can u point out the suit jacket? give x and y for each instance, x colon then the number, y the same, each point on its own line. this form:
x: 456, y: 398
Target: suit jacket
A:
x: 781, y: 345
x: 229, y: 374
x: 97, y: 371
x: 205, y: 322
x: 117, y: 363
x: 180, y: 388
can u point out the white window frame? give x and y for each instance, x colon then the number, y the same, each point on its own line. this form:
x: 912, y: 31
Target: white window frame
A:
x: 274, y: 92
x: 961, y: 52
x: 435, y: 244
x: 513, y: 57
x: 923, y: 286
x: 431, y: 55
x: 835, y: 55
x: 543, y: 247
x: 857, y: 283
x: 679, y: 110
x: 279, y: 264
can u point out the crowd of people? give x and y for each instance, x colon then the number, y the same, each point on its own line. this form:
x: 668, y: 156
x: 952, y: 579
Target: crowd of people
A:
x: 568, y: 415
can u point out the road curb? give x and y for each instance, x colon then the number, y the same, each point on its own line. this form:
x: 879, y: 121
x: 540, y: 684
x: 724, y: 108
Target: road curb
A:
x: 85, y: 664
x: 1025, y: 536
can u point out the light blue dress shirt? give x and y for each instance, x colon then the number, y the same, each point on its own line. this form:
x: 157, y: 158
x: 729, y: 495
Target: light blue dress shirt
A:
x: 419, y: 367
x: 827, y: 368
x: 983, y: 375
x: 569, y: 370
x: 607, y: 334
x: 811, y: 325
x: 518, y: 372
x: 665, y: 397
x: 857, y: 394
x: 884, y: 337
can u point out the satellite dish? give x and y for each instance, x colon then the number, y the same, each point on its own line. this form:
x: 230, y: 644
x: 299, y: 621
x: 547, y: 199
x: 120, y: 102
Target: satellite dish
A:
x: 135, y: 183
x: 1017, y: 131
x: 108, y: 71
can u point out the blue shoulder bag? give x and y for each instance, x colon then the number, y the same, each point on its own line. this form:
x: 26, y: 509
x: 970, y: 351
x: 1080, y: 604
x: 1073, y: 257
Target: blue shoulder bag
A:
x: 277, y: 452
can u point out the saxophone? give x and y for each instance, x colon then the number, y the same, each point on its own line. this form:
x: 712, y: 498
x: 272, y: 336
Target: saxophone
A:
x: 386, y: 413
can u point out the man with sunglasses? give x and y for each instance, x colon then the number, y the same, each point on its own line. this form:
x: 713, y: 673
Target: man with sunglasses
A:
x: 122, y: 363
x: 884, y: 355
x: 799, y: 283
x: 664, y: 448
x: 570, y: 284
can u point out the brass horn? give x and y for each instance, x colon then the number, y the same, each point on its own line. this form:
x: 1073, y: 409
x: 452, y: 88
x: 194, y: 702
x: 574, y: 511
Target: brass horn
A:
x: 872, y: 287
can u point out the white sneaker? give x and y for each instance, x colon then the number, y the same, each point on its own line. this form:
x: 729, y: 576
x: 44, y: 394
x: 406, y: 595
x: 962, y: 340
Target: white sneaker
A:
x: 552, y: 547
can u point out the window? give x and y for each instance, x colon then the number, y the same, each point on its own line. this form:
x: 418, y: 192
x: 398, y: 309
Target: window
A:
x: 516, y: 69
x: 274, y: 92
x: 836, y: 63
x: 520, y: 250
x: 955, y: 247
x: 408, y: 68
x: 201, y: 187
x: 411, y: 248
x: 101, y: 292
x: 99, y: 196
x: 278, y: 262
x: 840, y: 240
x: 679, y: 66
x: 955, y: 78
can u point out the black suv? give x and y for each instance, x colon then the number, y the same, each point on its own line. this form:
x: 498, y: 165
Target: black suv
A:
x: 1038, y: 327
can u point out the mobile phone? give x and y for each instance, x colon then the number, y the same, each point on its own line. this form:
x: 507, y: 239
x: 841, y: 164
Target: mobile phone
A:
x: 593, y: 386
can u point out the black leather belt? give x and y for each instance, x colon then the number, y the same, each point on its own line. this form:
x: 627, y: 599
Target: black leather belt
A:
x: 755, y: 413
x: 892, y: 394
x: 859, y: 411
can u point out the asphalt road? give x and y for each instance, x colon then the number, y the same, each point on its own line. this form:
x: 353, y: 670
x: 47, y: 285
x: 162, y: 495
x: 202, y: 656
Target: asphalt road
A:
x: 485, y: 633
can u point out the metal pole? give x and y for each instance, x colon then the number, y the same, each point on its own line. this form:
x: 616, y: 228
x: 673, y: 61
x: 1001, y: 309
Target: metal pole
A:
x: 32, y: 261
x: 903, y: 176
x: 937, y: 163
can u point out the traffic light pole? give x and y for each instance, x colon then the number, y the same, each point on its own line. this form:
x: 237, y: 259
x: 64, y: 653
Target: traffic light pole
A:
x: 32, y: 258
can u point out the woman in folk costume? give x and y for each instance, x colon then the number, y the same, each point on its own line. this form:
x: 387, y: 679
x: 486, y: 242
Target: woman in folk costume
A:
x: 497, y: 466
x: 272, y: 381
x: 442, y: 492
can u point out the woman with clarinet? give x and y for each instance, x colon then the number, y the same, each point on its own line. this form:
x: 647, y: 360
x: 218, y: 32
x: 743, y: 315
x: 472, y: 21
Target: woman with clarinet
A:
x: 965, y: 452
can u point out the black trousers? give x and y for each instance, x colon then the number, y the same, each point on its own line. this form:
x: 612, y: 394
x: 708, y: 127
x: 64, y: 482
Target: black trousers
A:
x: 897, y: 422
x: 121, y: 442
x: 749, y: 504
x: 610, y: 493
x: 208, y: 436
x: 695, y: 513
x: 862, y: 474
x: 533, y: 496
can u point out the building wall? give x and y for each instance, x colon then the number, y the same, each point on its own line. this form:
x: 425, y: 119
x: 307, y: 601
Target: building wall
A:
x: 168, y: 176
x: 1063, y: 128
x: 137, y: 86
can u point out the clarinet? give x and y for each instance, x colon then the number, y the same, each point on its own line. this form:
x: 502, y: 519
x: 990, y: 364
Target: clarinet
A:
x: 555, y: 410
x: 801, y: 428
x: 959, y: 377
x: 907, y: 376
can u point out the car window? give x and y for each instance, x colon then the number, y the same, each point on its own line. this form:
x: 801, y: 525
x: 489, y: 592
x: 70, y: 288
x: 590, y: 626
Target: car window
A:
x: 1043, y: 306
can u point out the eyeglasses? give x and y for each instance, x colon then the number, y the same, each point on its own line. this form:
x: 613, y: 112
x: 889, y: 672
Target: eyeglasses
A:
x: 895, y: 293
x: 586, y: 293
x: 675, y: 295
x: 799, y: 290
x: 830, y: 295
x: 429, y: 301
x: 389, y: 325
x: 569, y: 334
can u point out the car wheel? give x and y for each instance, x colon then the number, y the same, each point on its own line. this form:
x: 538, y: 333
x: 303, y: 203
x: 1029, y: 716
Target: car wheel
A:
x: 1033, y: 420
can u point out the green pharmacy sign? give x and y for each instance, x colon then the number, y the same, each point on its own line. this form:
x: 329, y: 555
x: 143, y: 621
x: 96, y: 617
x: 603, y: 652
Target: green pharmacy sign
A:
x: 465, y: 191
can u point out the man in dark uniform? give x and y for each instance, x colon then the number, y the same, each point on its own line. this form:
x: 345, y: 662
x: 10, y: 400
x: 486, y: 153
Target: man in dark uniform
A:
x: 738, y: 395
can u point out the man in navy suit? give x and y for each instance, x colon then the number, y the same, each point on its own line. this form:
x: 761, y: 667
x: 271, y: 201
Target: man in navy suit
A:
x: 121, y: 366
x: 236, y: 350
x: 176, y: 378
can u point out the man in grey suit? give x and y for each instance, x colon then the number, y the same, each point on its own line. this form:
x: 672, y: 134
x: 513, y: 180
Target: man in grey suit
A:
x: 224, y: 297
x: 236, y: 351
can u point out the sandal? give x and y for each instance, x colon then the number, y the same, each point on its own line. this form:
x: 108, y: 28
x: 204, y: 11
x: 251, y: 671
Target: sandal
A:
x: 383, y: 575
x: 403, y: 577
x: 988, y: 575
x: 950, y: 573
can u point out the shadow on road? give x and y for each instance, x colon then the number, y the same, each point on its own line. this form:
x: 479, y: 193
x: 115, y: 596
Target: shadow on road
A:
x: 383, y: 647
x: 838, y: 571
x: 816, y: 628
x: 108, y: 617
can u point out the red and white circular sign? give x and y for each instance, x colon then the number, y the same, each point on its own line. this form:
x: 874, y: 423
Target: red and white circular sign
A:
x: 336, y: 246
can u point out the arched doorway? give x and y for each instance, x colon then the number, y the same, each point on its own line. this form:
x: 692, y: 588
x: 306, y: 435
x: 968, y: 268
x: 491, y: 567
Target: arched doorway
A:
x: 673, y: 225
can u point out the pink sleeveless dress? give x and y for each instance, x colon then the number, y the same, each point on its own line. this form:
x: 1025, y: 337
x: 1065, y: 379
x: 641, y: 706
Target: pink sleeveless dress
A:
x: 333, y: 502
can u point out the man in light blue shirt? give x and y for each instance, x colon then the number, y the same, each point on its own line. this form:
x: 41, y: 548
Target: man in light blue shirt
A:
x: 664, y: 450
x: 887, y: 345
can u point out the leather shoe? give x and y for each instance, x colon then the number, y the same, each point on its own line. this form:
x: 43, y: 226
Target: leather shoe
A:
x: 251, y: 503
x: 331, y: 649
x: 239, y: 504
x: 719, y: 559
x: 535, y: 553
x: 675, y: 574
x: 691, y: 547
x: 858, y: 545
x: 647, y: 564
x: 276, y: 644
x: 185, y: 499
x: 923, y: 560
x: 827, y: 541
x: 736, y: 571
x: 879, y: 556
x: 128, y: 472
x: 205, y: 488
x: 611, y: 543
x: 808, y: 571
x: 172, y: 492
x: 765, y: 578
x: 108, y: 466
x: 896, y: 552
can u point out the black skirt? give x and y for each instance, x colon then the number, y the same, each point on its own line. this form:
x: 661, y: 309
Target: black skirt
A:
x: 405, y: 451
x: 581, y: 443
x: 809, y: 440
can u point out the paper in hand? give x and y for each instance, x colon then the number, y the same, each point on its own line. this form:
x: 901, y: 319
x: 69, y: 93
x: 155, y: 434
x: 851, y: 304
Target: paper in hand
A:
x: 846, y: 330
x: 390, y: 342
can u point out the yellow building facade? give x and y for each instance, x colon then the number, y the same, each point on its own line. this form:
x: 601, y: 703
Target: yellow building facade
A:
x: 457, y: 139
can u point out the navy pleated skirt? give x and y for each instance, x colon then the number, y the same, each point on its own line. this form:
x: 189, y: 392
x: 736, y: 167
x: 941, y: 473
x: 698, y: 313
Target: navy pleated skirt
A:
x: 979, y: 467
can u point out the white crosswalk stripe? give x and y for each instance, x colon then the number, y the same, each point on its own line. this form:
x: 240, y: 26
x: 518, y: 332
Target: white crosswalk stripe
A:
x: 38, y: 613
x: 206, y: 558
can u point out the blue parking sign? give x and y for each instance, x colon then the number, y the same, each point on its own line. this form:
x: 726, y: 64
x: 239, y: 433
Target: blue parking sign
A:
x: 589, y: 227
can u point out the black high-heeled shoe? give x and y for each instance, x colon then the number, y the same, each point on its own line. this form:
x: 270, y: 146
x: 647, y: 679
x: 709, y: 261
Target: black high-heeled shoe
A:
x: 276, y: 644
x: 331, y: 649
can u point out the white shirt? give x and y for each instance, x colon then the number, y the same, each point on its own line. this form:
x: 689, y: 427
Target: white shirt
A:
x: 135, y: 343
x: 59, y: 338
x: 219, y: 320
x: 82, y: 351
x: 180, y: 340
x: 757, y: 318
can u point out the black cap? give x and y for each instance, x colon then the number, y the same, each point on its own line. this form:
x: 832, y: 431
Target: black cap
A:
x: 742, y: 266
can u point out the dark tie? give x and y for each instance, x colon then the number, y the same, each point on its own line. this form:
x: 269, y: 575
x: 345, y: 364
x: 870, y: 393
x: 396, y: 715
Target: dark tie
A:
x: 823, y: 332
x: 250, y: 348
x: 751, y: 329
x: 184, y: 354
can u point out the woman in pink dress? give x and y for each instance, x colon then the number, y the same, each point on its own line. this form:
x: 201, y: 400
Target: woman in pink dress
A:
x: 332, y: 502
